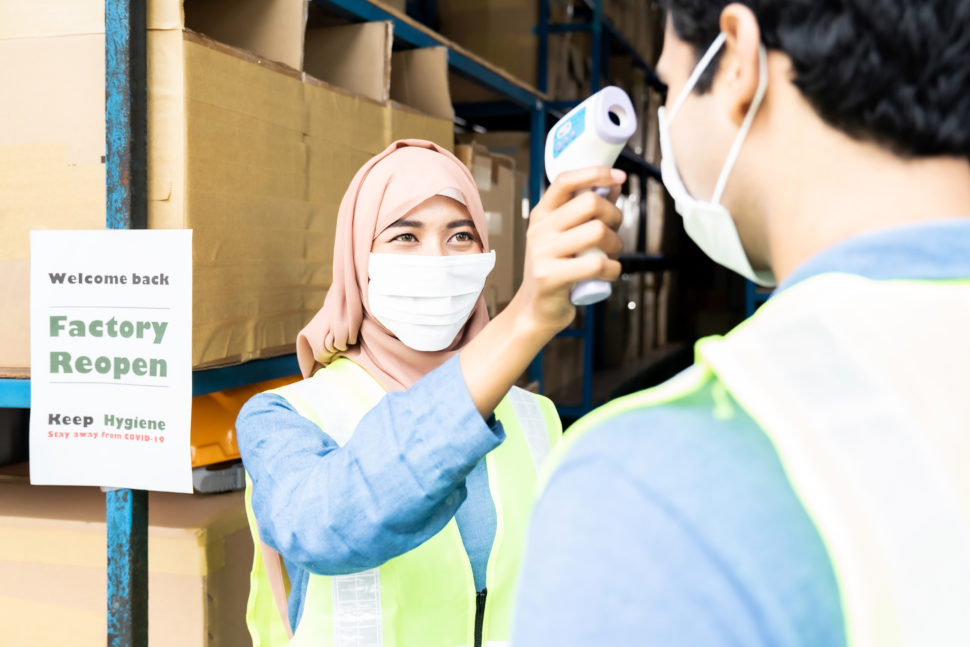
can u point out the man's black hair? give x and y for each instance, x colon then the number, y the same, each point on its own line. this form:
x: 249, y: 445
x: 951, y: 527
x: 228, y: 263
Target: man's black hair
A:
x: 896, y: 72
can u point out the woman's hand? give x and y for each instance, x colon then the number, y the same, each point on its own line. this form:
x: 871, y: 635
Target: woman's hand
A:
x: 568, y: 220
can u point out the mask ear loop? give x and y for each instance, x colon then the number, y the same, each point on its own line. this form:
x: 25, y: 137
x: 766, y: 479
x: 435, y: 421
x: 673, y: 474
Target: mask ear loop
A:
x: 759, y: 95
x: 696, y: 74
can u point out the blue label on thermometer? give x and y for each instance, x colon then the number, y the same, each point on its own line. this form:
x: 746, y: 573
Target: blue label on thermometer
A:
x: 568, y: 131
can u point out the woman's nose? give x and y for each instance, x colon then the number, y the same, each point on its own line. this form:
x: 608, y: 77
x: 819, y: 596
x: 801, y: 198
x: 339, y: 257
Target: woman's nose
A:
x: 435, y: 247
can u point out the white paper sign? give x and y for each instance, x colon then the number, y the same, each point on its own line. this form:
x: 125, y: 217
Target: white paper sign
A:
x: 111, y: 358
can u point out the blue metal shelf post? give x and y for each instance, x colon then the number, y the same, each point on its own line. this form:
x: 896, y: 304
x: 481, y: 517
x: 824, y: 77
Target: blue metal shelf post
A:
x: 753, y: 298
x: 596, y: 77
x: 542, y: 71
x: 126, y: 511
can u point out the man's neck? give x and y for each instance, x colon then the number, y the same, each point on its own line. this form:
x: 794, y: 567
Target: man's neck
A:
x: 841, y: 188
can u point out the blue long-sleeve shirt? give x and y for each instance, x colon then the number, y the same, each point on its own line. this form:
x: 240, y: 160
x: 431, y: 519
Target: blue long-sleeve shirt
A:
x: 415, y: 461
x: 676, y: 524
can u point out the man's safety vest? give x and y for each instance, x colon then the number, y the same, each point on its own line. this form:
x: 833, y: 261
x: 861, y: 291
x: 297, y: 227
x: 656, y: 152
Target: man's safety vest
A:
x: 863, y: 388
x: 425, y: 597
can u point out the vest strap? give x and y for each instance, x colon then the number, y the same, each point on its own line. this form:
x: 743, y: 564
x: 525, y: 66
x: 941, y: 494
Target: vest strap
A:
x: 278, y: 582
x: 358, y: 620
x: 831, y: 371
x: 529, y: 413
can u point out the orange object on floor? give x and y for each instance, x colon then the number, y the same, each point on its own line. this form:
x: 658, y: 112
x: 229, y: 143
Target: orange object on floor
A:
x: 214, y: 421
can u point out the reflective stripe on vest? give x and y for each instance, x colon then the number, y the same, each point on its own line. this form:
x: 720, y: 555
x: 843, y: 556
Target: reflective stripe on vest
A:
x: 426, y: 596
x: 862, y: 387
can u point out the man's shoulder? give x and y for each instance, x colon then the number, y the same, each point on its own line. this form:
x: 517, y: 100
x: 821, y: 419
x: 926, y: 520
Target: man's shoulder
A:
x: 694, y: 490
x: 653, y: 439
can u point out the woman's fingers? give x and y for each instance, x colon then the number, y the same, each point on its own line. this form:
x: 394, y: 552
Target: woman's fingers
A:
x: 561, y: 273
x: 572, y: 182
x: 592, y: 233
x: 570, y: 219
x: 582, y: 208
x: 614, y: 193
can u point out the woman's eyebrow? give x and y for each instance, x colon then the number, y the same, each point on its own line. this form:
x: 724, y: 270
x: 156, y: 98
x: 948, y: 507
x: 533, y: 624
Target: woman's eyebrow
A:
x: 406, y: 223
x: 455, y: 224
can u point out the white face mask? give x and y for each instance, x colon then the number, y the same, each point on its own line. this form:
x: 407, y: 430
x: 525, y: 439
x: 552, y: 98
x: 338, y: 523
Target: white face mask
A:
x: 709, y: 223
x: 426, y: 300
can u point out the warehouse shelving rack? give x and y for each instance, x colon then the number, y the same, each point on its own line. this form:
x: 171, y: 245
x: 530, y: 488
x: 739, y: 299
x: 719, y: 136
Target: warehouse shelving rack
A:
x: 126, y: 207
x: 607, y: 41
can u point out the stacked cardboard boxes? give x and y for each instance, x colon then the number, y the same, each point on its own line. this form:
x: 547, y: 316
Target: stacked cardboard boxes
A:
x: 502, y: 32
x: 638, y: 22
x: 244, y: 147
x: 501, y: 188
x: 53, y: 567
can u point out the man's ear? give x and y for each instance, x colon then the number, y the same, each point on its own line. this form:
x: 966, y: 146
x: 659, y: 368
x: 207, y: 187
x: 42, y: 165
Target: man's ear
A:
x: 737, y: 78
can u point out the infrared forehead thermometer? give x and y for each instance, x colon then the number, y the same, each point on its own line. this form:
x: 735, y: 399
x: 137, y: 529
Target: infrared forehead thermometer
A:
x: 591, y: 134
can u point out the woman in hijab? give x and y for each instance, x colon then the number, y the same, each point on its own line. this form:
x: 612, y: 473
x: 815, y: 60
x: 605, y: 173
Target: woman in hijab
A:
x: 389, y: 490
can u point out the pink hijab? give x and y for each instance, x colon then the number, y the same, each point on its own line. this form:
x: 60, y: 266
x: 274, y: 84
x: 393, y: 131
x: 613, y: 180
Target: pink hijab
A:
x: 387, y: 187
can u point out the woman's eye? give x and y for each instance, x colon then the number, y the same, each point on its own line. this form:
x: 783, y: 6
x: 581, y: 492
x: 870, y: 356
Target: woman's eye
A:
x: 404, y: 238
x: 464, y: 237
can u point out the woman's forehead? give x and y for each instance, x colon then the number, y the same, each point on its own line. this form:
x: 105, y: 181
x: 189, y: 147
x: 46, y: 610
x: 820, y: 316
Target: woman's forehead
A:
x: 437, y: 208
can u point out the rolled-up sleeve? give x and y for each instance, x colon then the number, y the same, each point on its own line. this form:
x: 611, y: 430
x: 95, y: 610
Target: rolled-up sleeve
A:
x: 397, y: 482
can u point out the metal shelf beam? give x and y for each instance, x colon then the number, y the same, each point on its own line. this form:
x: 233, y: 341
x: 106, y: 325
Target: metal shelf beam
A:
x: 14, y: 394
x: 230, y: 377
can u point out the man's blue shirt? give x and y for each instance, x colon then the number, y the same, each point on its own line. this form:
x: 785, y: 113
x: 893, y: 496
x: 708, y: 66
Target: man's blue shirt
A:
x: 676, y: 524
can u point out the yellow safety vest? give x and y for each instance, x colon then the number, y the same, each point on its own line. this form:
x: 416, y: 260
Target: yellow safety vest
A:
x: 425, y: 597
x: 863, y: 387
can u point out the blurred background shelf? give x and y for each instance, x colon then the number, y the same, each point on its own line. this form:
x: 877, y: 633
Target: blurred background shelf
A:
x: 655, y: 367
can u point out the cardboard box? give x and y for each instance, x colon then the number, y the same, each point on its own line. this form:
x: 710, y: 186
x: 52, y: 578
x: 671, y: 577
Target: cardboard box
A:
x: 656, y: 194
x: 513, y: 143
x: 650, y: 22
x: 562, y: 370
x: 656, y: 311
x: 405, y: 122
x: 356, y: 57
x: 500, y: 31
x: 251, y: 155
x: 271, y: 29
x: 397, y: 5
x: 629, y: 230
x: 570, y: 66
x: 419, y: 78
x: 495, y: 177
x: 521, y: 218
x: 53, y: 567
x: 500, y: 213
